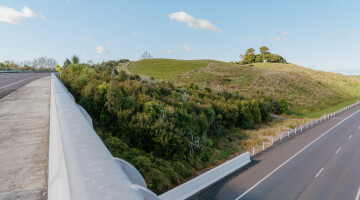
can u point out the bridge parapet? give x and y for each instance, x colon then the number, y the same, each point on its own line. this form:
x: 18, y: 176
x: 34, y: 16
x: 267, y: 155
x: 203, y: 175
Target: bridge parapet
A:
x: 80, y: 165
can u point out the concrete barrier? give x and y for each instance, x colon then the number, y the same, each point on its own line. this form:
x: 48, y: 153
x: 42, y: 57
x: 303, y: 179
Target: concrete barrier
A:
x: 204, y: 180
x: 80, y: 165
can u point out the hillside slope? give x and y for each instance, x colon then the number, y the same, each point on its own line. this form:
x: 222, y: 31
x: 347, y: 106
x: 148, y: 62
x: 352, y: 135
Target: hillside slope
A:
x: 166, y: 69
x: 306, y: 90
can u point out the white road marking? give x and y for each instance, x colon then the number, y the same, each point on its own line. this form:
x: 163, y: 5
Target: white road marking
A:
x: 338, y: 150
x: 319, y: 172
x: 358, y: 128
x: 15, y: 83
x: 350, y: 137
x: 247, y: 191
x: 358, y: 195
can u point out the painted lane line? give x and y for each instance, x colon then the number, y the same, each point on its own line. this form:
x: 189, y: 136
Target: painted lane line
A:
x: 303, y: 149
x: 338, y: 150
x: 15, y: 83
x: 350, y: 137
x: 319, y: 172
x: 358, y: 195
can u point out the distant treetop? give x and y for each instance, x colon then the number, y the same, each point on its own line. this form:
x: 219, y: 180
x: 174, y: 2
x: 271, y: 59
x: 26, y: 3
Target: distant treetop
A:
x: 264, y: 56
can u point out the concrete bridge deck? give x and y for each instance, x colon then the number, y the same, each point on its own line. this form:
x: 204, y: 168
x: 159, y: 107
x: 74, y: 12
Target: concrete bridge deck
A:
x: 24, y: 141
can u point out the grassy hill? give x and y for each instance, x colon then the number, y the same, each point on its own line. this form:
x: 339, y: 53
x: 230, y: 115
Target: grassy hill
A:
x: 306, y: 90
x: 166, y: 69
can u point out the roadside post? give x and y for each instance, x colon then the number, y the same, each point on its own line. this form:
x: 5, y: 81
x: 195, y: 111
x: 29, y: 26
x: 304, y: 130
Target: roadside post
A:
x: 58, y: 69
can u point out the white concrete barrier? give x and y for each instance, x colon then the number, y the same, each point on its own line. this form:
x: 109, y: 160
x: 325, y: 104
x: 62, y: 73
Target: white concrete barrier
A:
x: 204, y: 180
x: 80, y: 165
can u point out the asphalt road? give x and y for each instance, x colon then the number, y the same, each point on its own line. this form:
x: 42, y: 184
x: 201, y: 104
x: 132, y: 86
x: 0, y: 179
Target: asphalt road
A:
x: 11, y: 82
x: 321, y: 163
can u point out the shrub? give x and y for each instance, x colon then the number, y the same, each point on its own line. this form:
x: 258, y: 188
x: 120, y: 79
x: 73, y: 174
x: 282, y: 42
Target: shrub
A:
x: 142, y: 163
x: 283, y: 106
x: 158, y: 181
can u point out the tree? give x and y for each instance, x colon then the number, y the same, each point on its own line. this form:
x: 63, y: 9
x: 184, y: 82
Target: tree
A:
x: 242, y: 56
x: 44, y: 62
x: 146, y: 55
x: 264, y: 50
x: 250, y: 51
x: 75, y: 59
x: 66, y: 63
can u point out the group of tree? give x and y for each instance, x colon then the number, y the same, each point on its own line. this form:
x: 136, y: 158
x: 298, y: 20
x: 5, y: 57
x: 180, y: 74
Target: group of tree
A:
x: 40, y: 64
x: 164, y: 130
x: 265, y: 55
x: 146, y: 55
x: 76, y: 60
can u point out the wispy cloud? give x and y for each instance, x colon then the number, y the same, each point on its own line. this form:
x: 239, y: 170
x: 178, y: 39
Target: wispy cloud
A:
x: 283, y: 38
x: 332, y: 35
x: 87, y: 38
x: 278, y: 39
x: 353, y: 32
x: 12, y: 16
x: 134, y: 34
x: 84, y: 53
x: 187, y: 48
x: 108, y: 43
x: 193, y: 22
x: 101, y: 49
x: 170, y: 52
x: 286, y: 33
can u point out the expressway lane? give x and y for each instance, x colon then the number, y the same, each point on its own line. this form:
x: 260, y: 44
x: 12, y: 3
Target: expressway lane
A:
x: 321, y: 163
x: 13, y: 81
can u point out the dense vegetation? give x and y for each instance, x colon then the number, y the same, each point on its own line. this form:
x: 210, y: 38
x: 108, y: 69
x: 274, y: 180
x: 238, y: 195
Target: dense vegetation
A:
x: 264, y: 56
x: 164, y: 130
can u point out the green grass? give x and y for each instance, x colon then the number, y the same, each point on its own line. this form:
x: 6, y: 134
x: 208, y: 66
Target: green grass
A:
x: 306, y: 90
x: 166, y: 69
x: 332, y: 108
x: 309, y: 92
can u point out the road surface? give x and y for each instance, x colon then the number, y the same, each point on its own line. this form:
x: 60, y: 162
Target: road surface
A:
x: 13, y: 81
x: 321, y: 163
x: 24, y: 140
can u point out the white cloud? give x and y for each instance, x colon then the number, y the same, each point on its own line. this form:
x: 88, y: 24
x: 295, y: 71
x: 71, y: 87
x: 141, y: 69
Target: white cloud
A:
x: 187, y: 48
x: 87, y: 38
x: 134, y: 34
x: 12, y: 16
x: 279, y: 39
x: 170, y: 52
x: 108, y: 43
x: 332, y: 35
x: 84, y: 53
x: 353, y: 32
x: 276, y: 39
x: 100, y: 49
x: 286, y: 33
x: 193, y: 22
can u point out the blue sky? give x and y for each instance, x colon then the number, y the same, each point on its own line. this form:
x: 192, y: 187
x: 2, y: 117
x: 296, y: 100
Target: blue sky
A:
x: 321, y: 34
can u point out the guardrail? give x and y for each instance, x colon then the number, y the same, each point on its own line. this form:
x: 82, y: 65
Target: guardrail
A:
x: 198, y: 183
x: 80, y: 165
x: 298, y: 129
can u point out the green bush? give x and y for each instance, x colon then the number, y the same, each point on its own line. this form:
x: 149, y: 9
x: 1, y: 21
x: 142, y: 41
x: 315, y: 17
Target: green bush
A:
x: 283, y: 106
x: 142, y: 163
x: 158, y: 181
